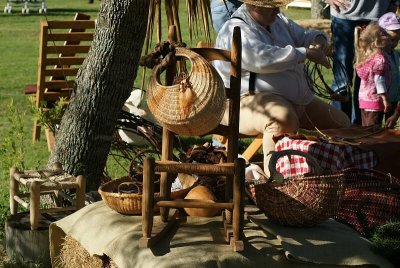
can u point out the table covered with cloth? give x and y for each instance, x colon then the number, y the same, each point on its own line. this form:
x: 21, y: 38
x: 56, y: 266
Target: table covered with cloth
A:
x: 199, y: 243
x: 337, y: 149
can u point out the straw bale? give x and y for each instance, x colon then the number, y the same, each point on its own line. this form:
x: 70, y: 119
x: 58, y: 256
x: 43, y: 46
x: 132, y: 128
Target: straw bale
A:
x: 73, y: 255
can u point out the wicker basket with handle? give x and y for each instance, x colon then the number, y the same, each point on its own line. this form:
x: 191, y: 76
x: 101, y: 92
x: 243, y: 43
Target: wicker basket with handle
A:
x: 195, y: 105
x: 124, y: 203
x: 303, y: 200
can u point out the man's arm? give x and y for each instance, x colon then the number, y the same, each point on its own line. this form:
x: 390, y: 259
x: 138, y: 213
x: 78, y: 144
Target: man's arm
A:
x: 338, y: 4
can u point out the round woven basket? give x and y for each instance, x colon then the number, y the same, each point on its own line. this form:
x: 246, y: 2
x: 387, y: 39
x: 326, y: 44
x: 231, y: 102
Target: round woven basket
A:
x: 131, y: 204
x: 124, y: 203
x: 301, y: 200
x: 202, y: 111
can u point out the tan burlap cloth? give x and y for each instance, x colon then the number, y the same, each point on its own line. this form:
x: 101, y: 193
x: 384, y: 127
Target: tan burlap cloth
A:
x: 199, y: 243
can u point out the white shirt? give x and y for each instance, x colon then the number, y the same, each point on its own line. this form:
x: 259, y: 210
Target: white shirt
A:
x: 276, y: 56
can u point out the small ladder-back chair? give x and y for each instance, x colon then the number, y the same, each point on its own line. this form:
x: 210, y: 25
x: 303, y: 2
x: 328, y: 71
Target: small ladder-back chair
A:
x: 233, y: 206
x: 63, y: 48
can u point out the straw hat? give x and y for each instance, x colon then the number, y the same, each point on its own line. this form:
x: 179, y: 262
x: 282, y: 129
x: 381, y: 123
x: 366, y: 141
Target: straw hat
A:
x: 195, y: 105
x: 267, y: 3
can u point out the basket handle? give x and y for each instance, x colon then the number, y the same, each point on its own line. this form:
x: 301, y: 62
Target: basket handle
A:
x: 129, y: 184
x: 275, y: 155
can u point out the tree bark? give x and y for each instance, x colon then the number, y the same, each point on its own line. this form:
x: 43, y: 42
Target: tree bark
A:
x: 103, y: 83
x: 318, y: 11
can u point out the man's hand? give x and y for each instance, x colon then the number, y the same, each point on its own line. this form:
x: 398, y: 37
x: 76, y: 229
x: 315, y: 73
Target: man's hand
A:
x: 321, y: 42
x: 317, y: 55
x: 338, y: 4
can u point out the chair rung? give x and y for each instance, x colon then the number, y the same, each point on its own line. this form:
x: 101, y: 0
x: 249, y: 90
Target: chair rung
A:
x: 209, y: 169
x: 193, y: 203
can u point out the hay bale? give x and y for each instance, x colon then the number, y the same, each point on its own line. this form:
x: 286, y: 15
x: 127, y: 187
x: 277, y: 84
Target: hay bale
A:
x: 73, y: 255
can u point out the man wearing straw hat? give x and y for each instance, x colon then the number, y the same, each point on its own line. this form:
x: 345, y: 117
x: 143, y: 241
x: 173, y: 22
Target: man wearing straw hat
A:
x: 275, y: 97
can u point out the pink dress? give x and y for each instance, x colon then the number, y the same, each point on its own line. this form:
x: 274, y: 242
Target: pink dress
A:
x: 368, y: 97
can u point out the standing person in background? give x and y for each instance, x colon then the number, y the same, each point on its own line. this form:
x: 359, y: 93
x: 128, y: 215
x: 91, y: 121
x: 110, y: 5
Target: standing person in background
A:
x: 391, y: 23
x: 373, y: 68
x: 346, y: 16
x: 221, y: 11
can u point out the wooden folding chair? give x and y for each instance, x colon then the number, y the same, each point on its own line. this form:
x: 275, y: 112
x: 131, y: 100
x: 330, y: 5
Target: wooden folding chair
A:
x: 63, y: 48
x: 233, y: 215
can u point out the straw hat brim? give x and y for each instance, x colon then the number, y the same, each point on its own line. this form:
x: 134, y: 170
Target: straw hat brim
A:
x: 267, y: 3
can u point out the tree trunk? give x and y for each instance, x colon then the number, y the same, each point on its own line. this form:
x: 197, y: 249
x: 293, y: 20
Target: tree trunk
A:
x: 103, y: 83
x: 318, y: 11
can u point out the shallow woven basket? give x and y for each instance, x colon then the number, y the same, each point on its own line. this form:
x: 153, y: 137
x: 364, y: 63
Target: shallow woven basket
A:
x: 301, y: 200
x: 131, y: 204
x: 207, y: 106
x: 124, y: 203
x: 370, y: 199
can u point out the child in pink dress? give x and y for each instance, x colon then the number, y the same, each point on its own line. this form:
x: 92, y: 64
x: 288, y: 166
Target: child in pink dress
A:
x: 373, y: 68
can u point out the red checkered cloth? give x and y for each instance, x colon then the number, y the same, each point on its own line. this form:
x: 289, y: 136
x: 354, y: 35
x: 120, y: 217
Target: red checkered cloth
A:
x: 329, y: 156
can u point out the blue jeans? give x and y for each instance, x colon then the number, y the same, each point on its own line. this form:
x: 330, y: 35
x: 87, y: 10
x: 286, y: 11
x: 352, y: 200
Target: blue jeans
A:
x: 220, y: 12
x: 343, y: 47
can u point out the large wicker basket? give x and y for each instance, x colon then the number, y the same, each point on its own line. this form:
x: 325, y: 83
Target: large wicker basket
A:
x: 194, y: 106
x: 371, y: 198
x: 301, y: 200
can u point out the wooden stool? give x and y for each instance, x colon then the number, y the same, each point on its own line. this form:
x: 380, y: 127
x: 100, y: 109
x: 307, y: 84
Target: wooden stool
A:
x: 44, y: 182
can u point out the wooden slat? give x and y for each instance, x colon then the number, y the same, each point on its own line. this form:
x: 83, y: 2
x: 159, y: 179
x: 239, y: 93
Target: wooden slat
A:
x: 198, y: 168
x: 67, y: 49
x: 75, y: 36
x: 53, y: 84
x: 211, y: 54
x: 64, y: 61
x: 21, y: 202
x: 61, y: 72
x: 193, y: 203
x: 71, y: 24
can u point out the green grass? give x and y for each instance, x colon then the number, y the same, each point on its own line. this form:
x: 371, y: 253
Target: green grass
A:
x: 19, y: 41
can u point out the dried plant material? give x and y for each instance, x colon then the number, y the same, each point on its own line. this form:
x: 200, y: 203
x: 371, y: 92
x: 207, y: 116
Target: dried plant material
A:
x: 73, y: 255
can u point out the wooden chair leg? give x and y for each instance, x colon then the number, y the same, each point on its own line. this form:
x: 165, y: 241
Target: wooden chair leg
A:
x: 238, y: 205
x: 50, y: 139
x: 148, y: 202
x: 34, y: 208
x: 14, y: 190
x: 252, y: 149
x: 80, y: 192
x: 36, y: 130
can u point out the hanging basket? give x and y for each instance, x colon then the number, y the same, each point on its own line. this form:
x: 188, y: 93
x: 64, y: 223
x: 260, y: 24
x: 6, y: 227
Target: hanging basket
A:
x: 195, y: 105
x: 300, y: 201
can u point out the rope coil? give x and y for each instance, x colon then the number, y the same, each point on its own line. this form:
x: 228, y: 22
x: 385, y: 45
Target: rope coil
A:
x: 320, y: 87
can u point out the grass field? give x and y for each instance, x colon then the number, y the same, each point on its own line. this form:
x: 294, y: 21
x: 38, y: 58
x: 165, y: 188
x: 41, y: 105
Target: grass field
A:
x: 19, y: 40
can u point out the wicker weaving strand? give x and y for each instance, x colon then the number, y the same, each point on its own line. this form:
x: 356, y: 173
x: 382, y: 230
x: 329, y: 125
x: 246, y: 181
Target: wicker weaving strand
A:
x: 204, y: 108
x: 315, y: 77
